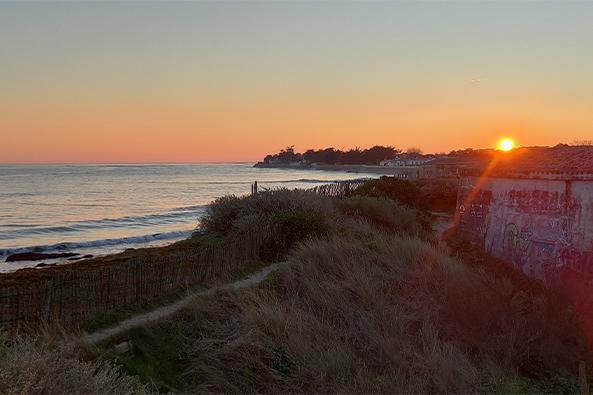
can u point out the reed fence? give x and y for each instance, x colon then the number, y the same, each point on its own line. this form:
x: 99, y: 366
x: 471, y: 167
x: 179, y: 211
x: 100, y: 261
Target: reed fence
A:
x: 70, y: 294
x: 338, y: 189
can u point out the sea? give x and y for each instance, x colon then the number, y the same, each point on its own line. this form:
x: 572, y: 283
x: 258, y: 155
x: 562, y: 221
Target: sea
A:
x: 100, y: 209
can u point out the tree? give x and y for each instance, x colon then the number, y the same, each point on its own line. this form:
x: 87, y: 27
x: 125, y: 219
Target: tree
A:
x: 414, y: 150
x: 582, y: 142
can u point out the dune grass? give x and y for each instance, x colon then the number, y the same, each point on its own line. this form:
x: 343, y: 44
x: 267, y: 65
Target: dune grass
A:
x: 365, y: 313
x: 383, y: 314
x: 55, y: 364
x: 368, y: 303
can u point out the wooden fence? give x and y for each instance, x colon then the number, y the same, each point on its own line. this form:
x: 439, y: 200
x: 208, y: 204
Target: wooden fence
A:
x: 338, y: 189
x: 72, y: 293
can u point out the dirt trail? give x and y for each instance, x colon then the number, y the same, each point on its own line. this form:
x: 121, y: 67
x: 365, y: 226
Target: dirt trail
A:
x: 442, y: 223
x: 168, y: 310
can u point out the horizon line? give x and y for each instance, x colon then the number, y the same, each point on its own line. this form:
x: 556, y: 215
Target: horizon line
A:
x: 122, y: 163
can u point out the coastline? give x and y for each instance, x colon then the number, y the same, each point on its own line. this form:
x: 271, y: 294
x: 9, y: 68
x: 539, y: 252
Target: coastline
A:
x: 371, y: 169
x: 101, y: 254
x: 105, y: 218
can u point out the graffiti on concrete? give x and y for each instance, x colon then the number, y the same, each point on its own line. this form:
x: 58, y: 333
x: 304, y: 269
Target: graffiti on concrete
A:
x: 550, y: 250
x: 475, y: 217
x: 540, y: 202
x: 516, y: 243
x: 536, y: 201
x: 539, y: 231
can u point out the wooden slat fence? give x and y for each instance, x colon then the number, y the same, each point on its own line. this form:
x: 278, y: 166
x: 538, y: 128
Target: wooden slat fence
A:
x: 71, y: 294
x: 338, y: 189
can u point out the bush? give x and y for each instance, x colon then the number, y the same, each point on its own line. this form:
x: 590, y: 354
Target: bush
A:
x: 231, y: 213
x: 34, y: 366
x: 221, y: 214
x: 290, y: 228
x: 441, y: 193
x: 386, y: 215
x: 401, y: 191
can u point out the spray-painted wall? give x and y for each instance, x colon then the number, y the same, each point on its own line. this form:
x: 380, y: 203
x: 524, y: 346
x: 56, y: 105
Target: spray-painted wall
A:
x: 539, y: 226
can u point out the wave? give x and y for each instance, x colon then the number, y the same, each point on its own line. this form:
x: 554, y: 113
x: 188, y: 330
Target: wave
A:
x: 174, y: 216
x: 86, y: 245
x: 312, y: 181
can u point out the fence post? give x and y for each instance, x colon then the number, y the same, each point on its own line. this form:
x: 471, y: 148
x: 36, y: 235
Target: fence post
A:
x: 50, y: 292
x: 583, y: 385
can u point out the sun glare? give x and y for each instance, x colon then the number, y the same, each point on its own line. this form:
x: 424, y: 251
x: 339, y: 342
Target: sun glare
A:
x: 506, y: 144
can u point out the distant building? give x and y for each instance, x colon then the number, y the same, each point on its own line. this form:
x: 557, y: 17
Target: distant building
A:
x: 455, y: 166
x: 406, y: 160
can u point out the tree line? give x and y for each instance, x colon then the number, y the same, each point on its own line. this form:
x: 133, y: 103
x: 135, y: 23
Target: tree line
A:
x: 332, y: 156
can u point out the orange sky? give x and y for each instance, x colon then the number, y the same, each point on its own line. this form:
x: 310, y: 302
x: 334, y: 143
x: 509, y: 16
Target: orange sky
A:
x: 191, y: 82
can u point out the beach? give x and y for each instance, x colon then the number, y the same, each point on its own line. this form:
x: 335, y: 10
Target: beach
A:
x: 103, y: 209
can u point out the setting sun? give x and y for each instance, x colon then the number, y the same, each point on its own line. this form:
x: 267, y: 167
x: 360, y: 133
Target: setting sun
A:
x: 506, y: 144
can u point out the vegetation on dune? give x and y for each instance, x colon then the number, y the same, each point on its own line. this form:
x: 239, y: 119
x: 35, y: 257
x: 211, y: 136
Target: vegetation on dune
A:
x: 398, y: 190
x: 54, y: 365
x: 383, y: 314
x: 438, y: 194
x: 368, y: 303
x: 296, y: 216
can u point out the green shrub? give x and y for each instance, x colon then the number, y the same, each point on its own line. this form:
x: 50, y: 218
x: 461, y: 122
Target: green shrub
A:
x: 401, y: 191
x: 385, y: 214
x: 221, y: 214
x: 231, y: 213
x: 440, y: 193
x: 290, y: 228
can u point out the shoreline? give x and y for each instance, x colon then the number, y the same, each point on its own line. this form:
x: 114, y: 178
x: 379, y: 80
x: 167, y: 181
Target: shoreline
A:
x: 94, y: 254
x: 371, y: 169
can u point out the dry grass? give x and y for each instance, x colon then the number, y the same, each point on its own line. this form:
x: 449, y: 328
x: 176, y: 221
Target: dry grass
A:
x: 382, y: 314
x: 53, y: 364
x: 334, y: 322
x: 370, y: 307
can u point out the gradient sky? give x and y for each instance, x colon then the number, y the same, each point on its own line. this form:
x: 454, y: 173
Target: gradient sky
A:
x: 224, y: 81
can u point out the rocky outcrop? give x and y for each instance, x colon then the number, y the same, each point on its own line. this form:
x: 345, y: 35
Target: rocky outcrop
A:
x: 38, y: 256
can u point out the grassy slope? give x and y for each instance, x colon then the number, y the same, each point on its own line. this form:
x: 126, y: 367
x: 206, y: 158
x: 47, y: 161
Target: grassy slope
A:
x: 371, y: 314
x: 367, y: 305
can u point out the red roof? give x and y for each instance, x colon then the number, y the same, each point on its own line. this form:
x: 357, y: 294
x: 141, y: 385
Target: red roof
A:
x: 557, y: 160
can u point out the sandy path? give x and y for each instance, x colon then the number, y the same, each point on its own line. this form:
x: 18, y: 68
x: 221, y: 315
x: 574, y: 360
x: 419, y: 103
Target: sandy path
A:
x: 442, y: 223
x: 168, y: 310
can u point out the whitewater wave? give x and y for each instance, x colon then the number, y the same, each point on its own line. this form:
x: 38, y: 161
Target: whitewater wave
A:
x: 173, y: 216
x: 85, y: 246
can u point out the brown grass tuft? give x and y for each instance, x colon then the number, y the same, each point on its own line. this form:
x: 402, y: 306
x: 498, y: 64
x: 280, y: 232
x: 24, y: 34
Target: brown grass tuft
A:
x: 51, y: 364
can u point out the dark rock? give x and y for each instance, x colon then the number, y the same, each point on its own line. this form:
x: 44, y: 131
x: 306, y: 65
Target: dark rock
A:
x: 198, y: 233
x: 45, y: 264
x: 77, y: 258
x: 38, y: 256
x: 122, y: 348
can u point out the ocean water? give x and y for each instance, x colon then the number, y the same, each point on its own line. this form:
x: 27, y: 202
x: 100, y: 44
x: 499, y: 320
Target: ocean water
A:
x: 101, y: 209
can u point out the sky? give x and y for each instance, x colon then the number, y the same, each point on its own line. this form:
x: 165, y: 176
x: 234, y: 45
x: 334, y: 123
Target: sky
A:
x: 109, y: 81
